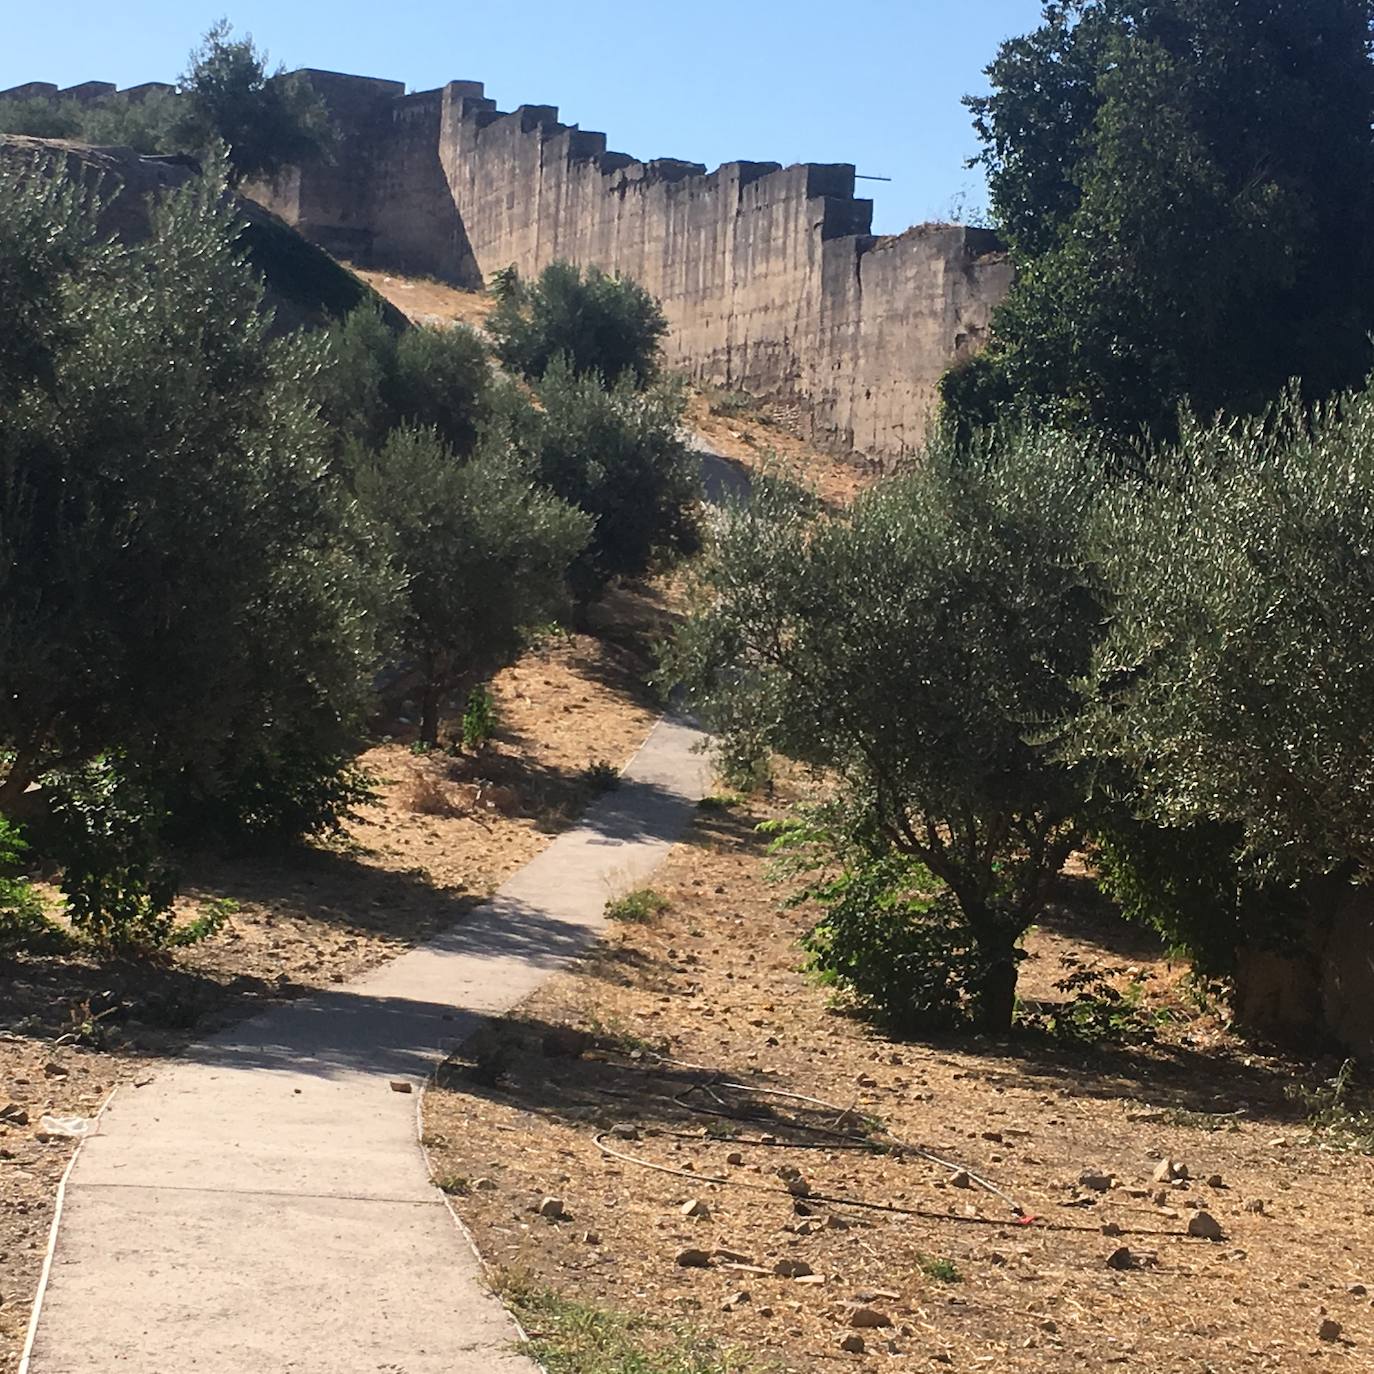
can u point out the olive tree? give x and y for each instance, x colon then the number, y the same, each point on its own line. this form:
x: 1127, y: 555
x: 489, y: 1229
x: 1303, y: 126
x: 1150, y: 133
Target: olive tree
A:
x: 182, y: 569
x: 597, y: 324
x: 1236, y: 694
x: 483, y: 553
x: 924, y: 648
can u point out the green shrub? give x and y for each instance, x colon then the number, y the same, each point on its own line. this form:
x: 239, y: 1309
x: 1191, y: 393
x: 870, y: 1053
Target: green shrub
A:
x: 643, y: 904
x: 607, y: 327
x: 601, y: 775
x: 104, y: 831
x: 480, y: 720
x: 208, y: 921
x: 889, y: 936
x: 23, y: 923
x: 378, y: 379
x: 1235, y: 688
x: 616, y: 454
x: 183, y: 575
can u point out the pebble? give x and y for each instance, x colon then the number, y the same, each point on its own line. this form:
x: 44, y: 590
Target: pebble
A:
x: 1095, y: 1180
x: 695, y: 1207
x: 734, y: 1157
x: 792, y: 1268
x: 736, y: 1300
x: 960, y: 1179
x: 692, y: 1259
x: 1357, y: 1290
x: 868, y: 1317
x: 1205, y: 1226
x: 1329, y: 1330
x: 1121, y: 1258
x: 399, y: 1085
x: 1170, y: 1171
x: 853, y: 1343
x: 552, y: 1209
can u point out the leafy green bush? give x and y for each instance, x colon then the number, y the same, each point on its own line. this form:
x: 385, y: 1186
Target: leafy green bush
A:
x: 926, y: 647
x: 616, y: 454
x: 267, y: 120
x: 378, y: 379
x: 1235, y: 692
x: 609, y: 327
x: 480, y: 720
x: 889, y: 936
x: 23, y: 923
x: 104, y: 831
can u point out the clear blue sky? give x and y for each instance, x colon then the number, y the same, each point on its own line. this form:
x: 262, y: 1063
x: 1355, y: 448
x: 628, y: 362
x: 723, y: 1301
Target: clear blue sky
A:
x: 877, y: 83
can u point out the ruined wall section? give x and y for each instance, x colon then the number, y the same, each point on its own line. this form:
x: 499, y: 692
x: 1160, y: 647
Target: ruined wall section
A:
x: 769, y: 276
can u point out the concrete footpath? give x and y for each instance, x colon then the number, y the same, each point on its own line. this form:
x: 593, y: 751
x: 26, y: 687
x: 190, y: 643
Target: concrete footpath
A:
x: 263, y: 1205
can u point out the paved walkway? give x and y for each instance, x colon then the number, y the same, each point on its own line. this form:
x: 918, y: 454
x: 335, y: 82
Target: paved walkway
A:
x: 263, y: 1206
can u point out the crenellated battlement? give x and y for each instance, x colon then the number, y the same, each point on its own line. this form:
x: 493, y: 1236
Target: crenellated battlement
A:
x: 86, y: 92
x: 770, y: 276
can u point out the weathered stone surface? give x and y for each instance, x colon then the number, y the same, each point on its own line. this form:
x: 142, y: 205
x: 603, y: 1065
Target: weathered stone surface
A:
x: 770, y: 277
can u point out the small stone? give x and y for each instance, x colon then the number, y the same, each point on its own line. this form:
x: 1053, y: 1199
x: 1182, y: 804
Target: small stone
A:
x: 1256, y: 1205
x: 1205, y: 1226
x: 792, y: 1269
x: 694, y: 1207
x: 625, y: 1130
x: 1121, y: 1258
x: 1095, y: 1180
x: 1215, y: 1181
x: 591, y: 1237
x: 1357, y: 1290
x: 736, y: 1300
x: 14, y: 1114
x: 552, y: 1209
x: 484, y: 1185
x: 1049, y: 1326
x: 399, y: 1085
x: 692, y: 1259
x: 52, y: 1069
x: 868, y: 1317
x: 798, y: 1187
x: 1329, y: 1330
x: 734, y: 1157
x: 853, y: 1343
x: 960, y: 1179
x: 1170, y: 1171
x: 865, y: 1080
x: 1111, y: 1228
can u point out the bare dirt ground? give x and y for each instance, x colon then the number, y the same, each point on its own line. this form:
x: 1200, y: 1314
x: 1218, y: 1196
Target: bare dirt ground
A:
x: 427, y: 301
x: 758, y: 435
x: 713, y: 984
x: 442, y: 835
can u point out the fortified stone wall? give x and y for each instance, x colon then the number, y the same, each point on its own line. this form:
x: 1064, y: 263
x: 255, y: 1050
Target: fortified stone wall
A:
x: 769, y: 276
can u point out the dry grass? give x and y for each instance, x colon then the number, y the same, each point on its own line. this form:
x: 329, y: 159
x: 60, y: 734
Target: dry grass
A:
x: 714, y: 984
